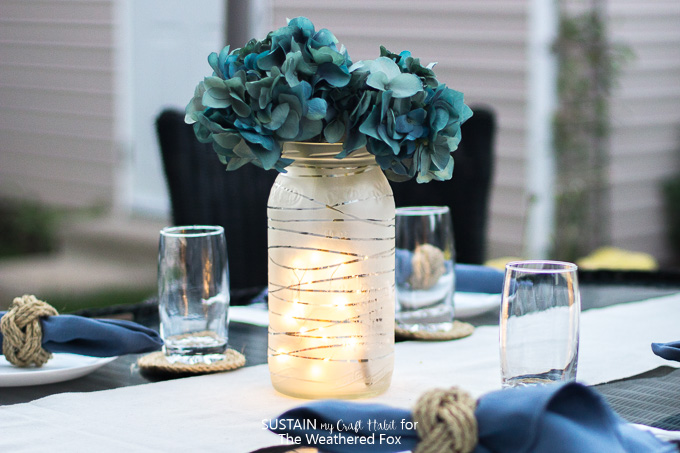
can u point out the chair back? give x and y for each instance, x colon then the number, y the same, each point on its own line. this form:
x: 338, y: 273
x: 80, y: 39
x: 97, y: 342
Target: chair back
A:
x: 202, y: 192
x: 467, y: 193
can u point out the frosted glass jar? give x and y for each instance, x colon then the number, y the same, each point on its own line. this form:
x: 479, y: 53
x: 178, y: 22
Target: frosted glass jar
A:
x: 331, y: 275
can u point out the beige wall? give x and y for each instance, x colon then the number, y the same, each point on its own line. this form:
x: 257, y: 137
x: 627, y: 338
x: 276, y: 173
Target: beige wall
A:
x: 645, y: 142
x: 57, y: 95
x: 480, y: 47
x: 481, y: 50
x: 56, y: 101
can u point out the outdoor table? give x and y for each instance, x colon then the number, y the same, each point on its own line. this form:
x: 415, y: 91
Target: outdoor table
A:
x: 116, y: 408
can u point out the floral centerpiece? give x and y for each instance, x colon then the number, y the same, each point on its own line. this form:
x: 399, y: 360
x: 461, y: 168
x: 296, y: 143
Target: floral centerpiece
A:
x: 296, y: 103
x: 298, y: 85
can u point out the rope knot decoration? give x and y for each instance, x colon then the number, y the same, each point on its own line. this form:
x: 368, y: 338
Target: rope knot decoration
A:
x: 446, y: 421
x: 428, y: 266
x: 22, y: 332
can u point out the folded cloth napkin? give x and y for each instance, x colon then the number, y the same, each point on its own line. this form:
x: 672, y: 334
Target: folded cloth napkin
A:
x: 95, y: 337
x: 668, y: 351
x: 552, y: 419
x: 473, y: 278
x: 470, y: 278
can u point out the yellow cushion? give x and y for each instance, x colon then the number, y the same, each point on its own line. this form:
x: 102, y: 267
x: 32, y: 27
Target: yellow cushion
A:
x: 618, y: 259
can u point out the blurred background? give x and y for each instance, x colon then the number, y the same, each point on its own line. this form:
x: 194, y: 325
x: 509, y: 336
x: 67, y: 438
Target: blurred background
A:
x: 585, y: 93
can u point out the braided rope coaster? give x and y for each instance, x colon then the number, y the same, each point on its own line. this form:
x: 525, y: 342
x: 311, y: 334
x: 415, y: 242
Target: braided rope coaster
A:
x: 156, y: 362
x: 458, y: 330
x: 22, y: 332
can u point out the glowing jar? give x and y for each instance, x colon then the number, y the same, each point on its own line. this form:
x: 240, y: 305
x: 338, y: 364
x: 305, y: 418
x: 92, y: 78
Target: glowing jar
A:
x: 331, y: 275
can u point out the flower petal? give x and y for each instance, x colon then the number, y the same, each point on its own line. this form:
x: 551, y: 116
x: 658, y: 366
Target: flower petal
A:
x: 334, y: 131
x: 378, y: 80
x: 279, y: 115
x: 316, y: 109
x: 336, y: 76
x: 405, y: 85
x: 290, y: 128
x: 387, y: 66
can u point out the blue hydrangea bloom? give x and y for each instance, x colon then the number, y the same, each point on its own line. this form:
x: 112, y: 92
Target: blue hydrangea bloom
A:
x: 299, y: 84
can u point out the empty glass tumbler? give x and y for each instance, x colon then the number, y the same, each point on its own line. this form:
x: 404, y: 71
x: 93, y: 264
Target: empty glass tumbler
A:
x: 424, y: 269
x: 539, y: 323
x: 193, y: 293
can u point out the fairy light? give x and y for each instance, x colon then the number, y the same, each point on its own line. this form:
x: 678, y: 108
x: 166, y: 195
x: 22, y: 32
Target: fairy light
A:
x: 315, y: 371
x: 341, y: 302
x: 315, y: 258
x: 331, y: 297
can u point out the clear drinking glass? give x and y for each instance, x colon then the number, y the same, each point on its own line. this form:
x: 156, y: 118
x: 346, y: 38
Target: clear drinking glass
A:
x: 193, y: 293
x: 424, y: 268
x: 539, y: 323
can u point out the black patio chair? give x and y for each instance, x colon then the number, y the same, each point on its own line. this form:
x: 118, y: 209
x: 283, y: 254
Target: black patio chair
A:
x: 467, y: 193
x: 203, y: 192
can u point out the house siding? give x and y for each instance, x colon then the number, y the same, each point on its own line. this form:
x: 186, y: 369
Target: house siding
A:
x: 480, y: 48
x: 645, y: 139
x: 57, y: 96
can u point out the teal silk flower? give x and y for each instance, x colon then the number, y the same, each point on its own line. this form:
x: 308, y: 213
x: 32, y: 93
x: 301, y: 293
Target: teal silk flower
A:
x: 299, y: 84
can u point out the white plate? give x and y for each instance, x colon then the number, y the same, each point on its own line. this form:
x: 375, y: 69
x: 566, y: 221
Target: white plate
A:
x: 662, y: 434
x: 418, y: 298
x: 61, y: 367
x: 472, y: 304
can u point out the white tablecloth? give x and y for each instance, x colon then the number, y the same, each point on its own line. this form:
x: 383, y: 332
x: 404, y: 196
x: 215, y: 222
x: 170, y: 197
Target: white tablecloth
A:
x: 225, y: 412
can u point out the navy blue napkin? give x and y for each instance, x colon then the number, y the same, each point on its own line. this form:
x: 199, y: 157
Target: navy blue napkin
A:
x: 668, y: 351
x: 565, y: 418
x: 470, y: 278
x: 473, y: 278
x: 96, y: 337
